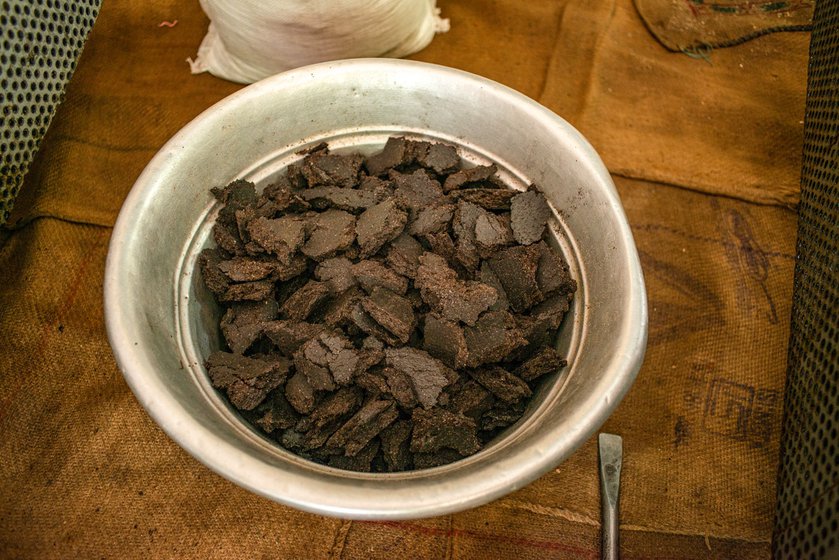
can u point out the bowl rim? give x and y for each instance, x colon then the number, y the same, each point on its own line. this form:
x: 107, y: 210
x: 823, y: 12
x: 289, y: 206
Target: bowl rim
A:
x: 248, y: 472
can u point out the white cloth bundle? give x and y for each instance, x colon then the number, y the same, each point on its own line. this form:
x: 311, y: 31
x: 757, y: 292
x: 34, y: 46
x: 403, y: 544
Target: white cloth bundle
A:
x: 251, y: 39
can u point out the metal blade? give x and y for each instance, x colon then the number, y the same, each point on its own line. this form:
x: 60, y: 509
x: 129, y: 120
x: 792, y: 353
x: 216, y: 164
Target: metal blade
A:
x: 611, y: 458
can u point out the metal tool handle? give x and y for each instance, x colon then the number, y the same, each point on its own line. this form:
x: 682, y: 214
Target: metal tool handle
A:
x: 611, y: 457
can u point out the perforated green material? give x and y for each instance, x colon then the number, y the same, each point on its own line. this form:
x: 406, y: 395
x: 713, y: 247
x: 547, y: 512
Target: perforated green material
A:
x: 40, y: 41
x: 807, y: 516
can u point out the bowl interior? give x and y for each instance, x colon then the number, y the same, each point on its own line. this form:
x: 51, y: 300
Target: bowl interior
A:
x: 162, y: 323
x: 197, y: 324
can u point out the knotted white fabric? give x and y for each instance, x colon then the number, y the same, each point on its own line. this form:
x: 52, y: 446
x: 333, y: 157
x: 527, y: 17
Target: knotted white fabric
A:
x: 251, y: 39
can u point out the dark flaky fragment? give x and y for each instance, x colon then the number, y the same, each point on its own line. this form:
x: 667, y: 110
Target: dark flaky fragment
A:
x: 492, y: 232
x: 437, y: 428
x: 294, y: 174
x: 488, y: 277
x: 227, y: 238
x: 295, y: 267
x: 370, y: 354
x: 236, y: 195
x: 279, y: 414
x: 440, y: 158
x: 552, y: 273
x: 324, y: 168
x: 399, y: 153
x: 493, y: 337
x: 428, y: 375
x: 540, y: 325
x: 396, y: 442
x: 360, y: 462
x: 332, y: 231
x: 437, y: 459
x: 501, y: 383
x: 383, y: 189
x: 441, y: 244
x: 392, y: 155
x: 290, y: 335
x: 468, y: 177
x: 515, y: 267
x: 279, y: 193
x: 500, y: 417
x: 552, y: 310
x: 330, y: 414
x: 413, y: 295
x: 391, y: 311
x: 336, y: 273
x: 364, y: 425
x: 247, y: 381
x: 372, y: 344
x: 444, y: 340
x: 417, y: 191
x: 448, y: 296
x: 244, y: 322
x: 350, y: 200
x: 246, y: 269
x: 374, y: 383
x: 215, y: 280
x: 337, y: 312
x: 403, y: 255
x: 490, y: 199
x: 333, y: 351
x: 293, y: 440
x: 472, y: 400
x: 529, y: 212
x: 319, y: 377
x: 547, y: 360
x: 281, y: 236
x: 248, y: 291
x: 373, y: 274
x: 378, y: 225
x: 347, y: 361
x: 364, y: 323
x: 463, y: 225
x: 304, y: 301
x: 432, y: 219
x: 400, y: 387
x: 243, y: 217
x: 300, y: 393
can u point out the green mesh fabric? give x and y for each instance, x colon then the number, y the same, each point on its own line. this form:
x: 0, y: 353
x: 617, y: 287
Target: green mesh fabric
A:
x: 808, y: 478
x: 40, y: 41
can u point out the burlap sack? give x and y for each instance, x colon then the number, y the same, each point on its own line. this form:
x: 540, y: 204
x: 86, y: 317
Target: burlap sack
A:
x: 85, y: 473
x: 731, y: 126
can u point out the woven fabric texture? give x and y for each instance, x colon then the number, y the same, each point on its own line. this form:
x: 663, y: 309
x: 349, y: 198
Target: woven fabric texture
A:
x: 706, y: 157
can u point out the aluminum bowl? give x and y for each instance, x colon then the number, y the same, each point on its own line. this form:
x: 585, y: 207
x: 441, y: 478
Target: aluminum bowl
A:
x: 161, y: 322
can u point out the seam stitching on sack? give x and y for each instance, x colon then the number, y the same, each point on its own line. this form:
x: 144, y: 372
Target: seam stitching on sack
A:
x: 336, y: 551
x: 575, y: 517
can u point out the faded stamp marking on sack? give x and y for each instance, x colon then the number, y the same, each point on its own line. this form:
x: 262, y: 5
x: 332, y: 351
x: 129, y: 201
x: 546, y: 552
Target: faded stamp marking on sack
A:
x: 736, y: 411
x: 740, y: 412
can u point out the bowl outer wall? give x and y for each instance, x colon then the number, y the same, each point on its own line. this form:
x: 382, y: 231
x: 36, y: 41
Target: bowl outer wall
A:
x: 348, y: 96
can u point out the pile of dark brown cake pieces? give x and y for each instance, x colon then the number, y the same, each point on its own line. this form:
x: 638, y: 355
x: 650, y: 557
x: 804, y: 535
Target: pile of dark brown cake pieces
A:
x: 385, y: 313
